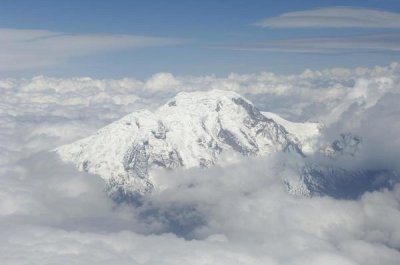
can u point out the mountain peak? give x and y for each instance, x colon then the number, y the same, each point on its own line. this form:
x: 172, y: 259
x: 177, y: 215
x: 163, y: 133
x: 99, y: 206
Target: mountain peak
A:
x: 211, y: 100
x: 213, y: 94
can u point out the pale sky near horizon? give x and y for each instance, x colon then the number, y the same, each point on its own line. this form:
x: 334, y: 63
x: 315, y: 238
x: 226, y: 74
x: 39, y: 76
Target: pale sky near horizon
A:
x: 113, y: 39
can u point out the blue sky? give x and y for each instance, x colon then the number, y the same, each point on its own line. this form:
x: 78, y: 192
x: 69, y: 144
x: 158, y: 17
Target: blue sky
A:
x: 84, y: 38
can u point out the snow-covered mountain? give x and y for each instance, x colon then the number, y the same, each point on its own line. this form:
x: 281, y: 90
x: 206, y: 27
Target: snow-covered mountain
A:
x: 193, y: 129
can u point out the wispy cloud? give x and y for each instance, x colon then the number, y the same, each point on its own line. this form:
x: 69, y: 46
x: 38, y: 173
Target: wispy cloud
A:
x: 348, y: 44
x: 334, y: 17
x: 23, y: 49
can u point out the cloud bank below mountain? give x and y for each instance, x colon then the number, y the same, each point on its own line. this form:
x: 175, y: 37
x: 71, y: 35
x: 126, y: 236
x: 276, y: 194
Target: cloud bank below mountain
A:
x: 240, y: 214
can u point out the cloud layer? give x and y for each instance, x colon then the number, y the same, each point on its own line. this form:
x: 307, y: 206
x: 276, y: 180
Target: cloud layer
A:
x: 334, y: 17
x: 330, y: 45
x: 240, y: 214
x: 27, y: 49
x: 235, y: 215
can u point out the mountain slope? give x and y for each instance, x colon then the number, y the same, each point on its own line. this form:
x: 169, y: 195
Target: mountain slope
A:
x: 307, y: 133
x: 191, y: 130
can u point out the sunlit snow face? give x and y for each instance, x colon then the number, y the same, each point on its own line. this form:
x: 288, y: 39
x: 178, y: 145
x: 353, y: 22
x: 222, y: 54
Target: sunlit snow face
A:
x: 240, y: 214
